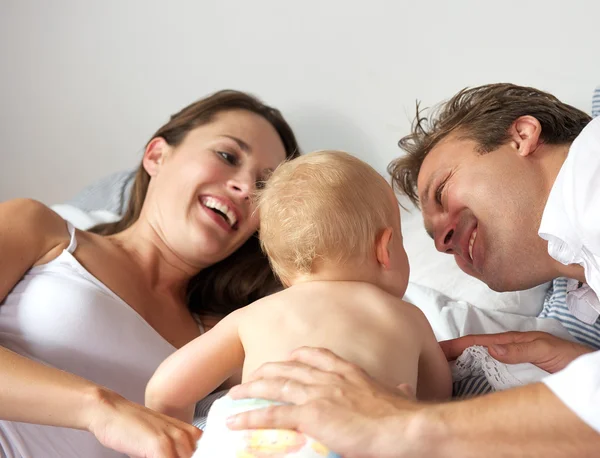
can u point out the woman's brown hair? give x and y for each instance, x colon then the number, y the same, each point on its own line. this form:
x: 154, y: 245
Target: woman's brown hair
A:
x: 245, y: 275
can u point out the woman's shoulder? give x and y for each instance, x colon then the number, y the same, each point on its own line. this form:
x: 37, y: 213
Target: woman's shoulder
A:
x: 32, y: 223
x: 30, y: 212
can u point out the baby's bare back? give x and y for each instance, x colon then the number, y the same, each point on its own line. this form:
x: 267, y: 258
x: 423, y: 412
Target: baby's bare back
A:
x: 357, y: 321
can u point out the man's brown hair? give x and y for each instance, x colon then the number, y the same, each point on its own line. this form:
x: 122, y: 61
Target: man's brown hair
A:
x: 483, y: 114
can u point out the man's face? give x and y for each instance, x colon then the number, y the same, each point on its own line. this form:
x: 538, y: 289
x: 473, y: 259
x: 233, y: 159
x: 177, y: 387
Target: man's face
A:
x: 486, y: 209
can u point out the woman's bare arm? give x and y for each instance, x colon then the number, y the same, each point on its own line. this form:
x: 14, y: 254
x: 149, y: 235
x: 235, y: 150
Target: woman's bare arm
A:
x: 34, y: 393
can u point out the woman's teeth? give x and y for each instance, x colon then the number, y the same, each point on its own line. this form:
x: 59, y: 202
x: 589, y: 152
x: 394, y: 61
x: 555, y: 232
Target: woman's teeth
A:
x: 215, y: 204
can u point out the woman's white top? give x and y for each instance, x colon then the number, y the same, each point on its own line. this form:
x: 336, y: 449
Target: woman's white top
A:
x: 61, y: 315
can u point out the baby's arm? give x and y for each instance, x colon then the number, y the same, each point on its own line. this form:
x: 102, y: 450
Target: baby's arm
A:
x: 196, y: 369
x: 434, y: 381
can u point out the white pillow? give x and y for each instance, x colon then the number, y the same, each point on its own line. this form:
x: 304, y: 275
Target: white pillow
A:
x: 81, y: 219
x: 438, y: 271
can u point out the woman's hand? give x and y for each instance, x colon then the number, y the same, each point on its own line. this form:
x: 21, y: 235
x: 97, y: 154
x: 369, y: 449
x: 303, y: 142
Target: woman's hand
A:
x: 331, y: 400
x: 133, y: 429
x: 544, y: 350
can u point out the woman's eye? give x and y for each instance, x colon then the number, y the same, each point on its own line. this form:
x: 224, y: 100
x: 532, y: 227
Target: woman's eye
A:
x: 228, y: 157
x: 260, y: 183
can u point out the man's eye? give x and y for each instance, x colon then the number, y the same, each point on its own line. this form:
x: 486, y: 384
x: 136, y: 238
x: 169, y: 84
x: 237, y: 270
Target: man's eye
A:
x: 438, y: 195
x: 228, y: 157
x: 439, y: 191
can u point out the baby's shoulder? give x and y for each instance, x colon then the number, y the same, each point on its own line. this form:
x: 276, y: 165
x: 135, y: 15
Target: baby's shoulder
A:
x: 264, y: 305
x: 398, y: 310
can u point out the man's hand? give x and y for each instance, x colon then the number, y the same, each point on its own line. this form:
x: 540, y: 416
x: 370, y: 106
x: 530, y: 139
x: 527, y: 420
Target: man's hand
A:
x: 331, y: 400
x: 544, y: 350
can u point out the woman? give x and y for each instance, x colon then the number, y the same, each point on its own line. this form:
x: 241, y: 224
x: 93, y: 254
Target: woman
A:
x: 85, y: 318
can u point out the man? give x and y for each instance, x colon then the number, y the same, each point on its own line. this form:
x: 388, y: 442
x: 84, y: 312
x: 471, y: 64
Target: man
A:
x: 508, y: 180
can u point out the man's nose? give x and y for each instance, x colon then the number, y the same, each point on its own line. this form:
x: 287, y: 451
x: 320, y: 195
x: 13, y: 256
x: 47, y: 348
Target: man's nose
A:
x: 443, y: 241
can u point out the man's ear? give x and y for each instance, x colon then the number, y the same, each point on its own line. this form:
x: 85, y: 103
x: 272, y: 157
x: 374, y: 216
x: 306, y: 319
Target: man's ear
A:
x: 525, y: 134
x: 382, y: 247
x: 156, y: 151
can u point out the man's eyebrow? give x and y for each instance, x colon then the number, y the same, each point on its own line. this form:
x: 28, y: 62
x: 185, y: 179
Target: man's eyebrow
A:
x: 425, y: 193
x: 424, y: 199
x: 241, y: 143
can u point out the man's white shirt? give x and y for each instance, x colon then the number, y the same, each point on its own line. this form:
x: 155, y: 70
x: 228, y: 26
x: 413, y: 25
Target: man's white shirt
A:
x: 571, y: 225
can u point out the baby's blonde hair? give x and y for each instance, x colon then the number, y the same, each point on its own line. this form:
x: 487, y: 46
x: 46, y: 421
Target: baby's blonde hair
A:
x: 326, y: 205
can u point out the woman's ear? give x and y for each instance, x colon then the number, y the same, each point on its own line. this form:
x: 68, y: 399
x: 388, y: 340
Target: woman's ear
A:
x: 382, y: 247
x: 525, y: 132
x: 156, y: 150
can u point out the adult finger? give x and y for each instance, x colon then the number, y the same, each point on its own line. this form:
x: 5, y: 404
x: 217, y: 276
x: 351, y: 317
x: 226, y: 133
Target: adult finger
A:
x: 550, y: 354
x: 533, y: 352
x: 163, y: 446
x: 185, y: 443
x: 455, y: 347
x: 275, y: 389
x: 172, y: 442
x: 280, y: 417
x: 293, y: 370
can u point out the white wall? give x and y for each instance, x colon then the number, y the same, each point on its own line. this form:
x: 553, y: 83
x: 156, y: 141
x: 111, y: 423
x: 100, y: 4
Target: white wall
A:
x: 83, y: 84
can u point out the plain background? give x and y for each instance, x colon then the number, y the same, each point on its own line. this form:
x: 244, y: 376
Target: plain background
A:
x: 84, y: 83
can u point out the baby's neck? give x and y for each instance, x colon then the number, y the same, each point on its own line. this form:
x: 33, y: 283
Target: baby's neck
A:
x: 339, y: 273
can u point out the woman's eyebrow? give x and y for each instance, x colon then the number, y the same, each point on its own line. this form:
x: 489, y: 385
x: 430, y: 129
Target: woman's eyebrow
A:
x: 245, y: 147
x: 266, y: 173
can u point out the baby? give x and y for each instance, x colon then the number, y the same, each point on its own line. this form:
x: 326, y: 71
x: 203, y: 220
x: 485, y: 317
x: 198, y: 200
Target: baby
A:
x: 330, y: 225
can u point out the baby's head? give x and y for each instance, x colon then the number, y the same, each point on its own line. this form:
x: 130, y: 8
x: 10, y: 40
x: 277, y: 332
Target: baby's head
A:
x: 330, y: 210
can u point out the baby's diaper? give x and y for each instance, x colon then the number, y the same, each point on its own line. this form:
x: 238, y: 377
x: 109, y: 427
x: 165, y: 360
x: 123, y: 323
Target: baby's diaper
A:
x: 218, y: 441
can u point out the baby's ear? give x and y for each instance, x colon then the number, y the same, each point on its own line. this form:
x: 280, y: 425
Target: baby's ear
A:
x: 382, y: 247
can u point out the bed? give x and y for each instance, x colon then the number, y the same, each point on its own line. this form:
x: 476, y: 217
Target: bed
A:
x: 454, y: 303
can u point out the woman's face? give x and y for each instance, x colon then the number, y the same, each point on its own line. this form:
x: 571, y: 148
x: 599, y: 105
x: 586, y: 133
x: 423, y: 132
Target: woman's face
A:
x: 199, y: 198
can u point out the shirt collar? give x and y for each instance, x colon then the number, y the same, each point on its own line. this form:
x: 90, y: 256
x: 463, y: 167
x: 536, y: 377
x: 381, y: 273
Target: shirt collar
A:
x: 556, y: 228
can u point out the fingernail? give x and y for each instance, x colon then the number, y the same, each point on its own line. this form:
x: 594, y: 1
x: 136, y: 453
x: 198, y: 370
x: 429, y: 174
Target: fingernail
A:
x: 499, y: 349
x: 231, y: 421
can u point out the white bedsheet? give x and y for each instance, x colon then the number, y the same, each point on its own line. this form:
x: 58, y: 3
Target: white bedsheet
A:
x: 450, y: 318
